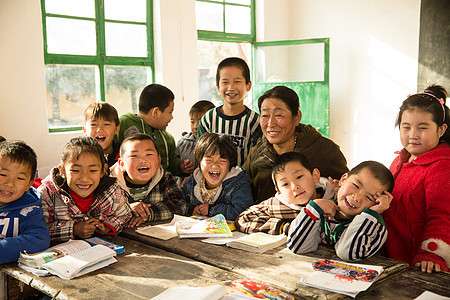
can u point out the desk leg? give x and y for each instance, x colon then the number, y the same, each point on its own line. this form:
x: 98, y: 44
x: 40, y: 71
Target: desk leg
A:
x: 3, y: 286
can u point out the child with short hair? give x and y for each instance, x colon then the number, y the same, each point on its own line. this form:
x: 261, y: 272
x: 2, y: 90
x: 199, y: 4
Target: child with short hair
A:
x: 101, y: 121
x: 217, y: 186
x: 352, y: 222
x: 78, y: 198
x: 233, y: 118
x: 153, y: 193
x: 22, y: 223
x: 296, y: 183
x: 419, y: 217
x: 156, y: 105
x: 186, y: 144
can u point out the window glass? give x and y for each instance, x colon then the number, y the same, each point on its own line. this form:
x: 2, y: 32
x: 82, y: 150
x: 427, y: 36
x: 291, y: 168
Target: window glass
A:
x: 209, y: 16
x: 237, y: 19
x: 245, y: 2
x: 77, y: 8
x: 126, y: 40
x: 130, y: 10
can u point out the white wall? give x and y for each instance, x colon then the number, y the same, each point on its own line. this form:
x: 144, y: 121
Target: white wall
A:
x: 373, y: 65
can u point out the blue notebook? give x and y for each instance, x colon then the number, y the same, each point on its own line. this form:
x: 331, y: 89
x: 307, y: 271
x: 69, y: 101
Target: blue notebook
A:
x: 99, y: 241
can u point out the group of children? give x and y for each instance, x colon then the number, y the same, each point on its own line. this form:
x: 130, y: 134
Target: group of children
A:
x: 127, y: 171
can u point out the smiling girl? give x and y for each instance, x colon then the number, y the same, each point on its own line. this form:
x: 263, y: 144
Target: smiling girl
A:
x: 418, y: 219
x: 218, y: 186
x: 78, y: 199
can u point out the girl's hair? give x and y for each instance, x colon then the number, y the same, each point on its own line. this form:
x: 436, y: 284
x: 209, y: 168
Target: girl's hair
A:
x: 83, y: 144
x: 282, y: 160
x: 209, y: 143
x: 285, y: 94
x: 429, y: 101
x: 378, y: 170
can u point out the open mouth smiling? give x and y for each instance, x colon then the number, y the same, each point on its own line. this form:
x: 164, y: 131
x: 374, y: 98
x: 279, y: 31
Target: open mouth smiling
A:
x: 348, y: 203
x: 101, y: 139
x: 214, y: 175
x: 143, y: 169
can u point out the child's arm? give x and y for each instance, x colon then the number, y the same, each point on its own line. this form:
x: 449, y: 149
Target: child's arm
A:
x: 173, y: 200
x: 116, y: 211
x: 304, y: 232
x: 236, y: 201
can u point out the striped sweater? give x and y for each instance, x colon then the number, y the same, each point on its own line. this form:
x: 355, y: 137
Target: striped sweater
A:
x: 355, y: 239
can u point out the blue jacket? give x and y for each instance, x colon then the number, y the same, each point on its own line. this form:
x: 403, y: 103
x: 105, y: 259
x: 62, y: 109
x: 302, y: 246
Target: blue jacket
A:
x: 235, y: 195
x: 22, y: 227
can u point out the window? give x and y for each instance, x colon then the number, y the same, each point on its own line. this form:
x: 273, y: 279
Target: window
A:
x: 225, y: 28
x: 95, y: 50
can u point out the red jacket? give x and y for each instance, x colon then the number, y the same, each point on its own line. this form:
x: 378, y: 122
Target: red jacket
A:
x: 418, y: 220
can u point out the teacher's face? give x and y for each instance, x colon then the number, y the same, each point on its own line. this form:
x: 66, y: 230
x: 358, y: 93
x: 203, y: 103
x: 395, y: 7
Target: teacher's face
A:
x: 277, y: 122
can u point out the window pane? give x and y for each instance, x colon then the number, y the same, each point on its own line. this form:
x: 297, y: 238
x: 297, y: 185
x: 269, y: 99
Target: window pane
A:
x: 78, y: 8
x: 66, y: 36
x: 130, y: 10
x: 210, y: 54
x: 291, y: 63
x: 209, y: 16
x: 70, y: 89
x: 126, y: 40
x: 237, y: 19
x: 124, y: 85
x: 245, y: 2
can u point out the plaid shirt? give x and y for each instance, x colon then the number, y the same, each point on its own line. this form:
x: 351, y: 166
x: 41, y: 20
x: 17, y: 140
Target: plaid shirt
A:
x: 109, y: 206
x: 164, y: 194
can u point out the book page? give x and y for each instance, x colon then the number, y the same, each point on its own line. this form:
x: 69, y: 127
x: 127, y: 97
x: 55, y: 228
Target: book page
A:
x: 213, y: 292
x: 162, y: 231
x: 260, y: 239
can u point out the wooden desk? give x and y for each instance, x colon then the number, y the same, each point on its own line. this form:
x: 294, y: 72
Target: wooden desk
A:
x: 142, y: 272
x: 279, y: 268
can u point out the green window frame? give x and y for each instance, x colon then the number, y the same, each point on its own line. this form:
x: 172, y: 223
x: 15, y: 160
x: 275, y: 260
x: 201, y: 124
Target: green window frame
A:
x: 100, y: 59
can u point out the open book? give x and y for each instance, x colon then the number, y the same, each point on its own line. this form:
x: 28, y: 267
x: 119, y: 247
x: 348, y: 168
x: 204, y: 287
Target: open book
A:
x: 216, y: 226
x: 73, y: 258
x: 258, y: 242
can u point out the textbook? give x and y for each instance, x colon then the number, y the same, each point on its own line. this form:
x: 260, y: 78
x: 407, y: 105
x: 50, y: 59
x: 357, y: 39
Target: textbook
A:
x: 259, y: 290
x: 162, y: 231
x: 216, y: 226
x: 258, y: 242
x: 341, y: 277
x: 72, y: 259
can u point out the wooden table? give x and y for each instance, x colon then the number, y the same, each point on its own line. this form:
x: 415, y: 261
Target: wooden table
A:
x: 142, y: 272
x: 279, y: 268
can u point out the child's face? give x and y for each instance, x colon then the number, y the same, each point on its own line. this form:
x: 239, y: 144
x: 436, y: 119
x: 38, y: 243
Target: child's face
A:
x: 419, y: 133
x: 103, y: 130
x: 15, y: 180
x: 214, y: 169
x: 232, y: 86
x: 195, y: 121
x: 83, y: 174
x: 357, y: 192
x: 163, y: 118
x: 140, y: 161
x: 297, y: 184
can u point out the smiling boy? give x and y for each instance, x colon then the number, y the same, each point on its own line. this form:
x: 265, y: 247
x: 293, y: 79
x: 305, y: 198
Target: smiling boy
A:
x: 351, y: 223
x: 22, y: 223
x: 153, y: 193
x: 233, y: 118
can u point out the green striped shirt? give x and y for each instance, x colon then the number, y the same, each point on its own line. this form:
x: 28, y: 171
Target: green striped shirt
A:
x: 243, y: 129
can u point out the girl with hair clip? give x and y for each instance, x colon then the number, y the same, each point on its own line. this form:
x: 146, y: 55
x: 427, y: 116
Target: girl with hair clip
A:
x: 418, y: 219
x: 78, y: 198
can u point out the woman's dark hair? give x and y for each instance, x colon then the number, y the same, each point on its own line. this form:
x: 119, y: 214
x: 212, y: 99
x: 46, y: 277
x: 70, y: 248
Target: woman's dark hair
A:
x: 83, y: 144
x: 285, y: 94
x: 209, y: 143
x: 378, y: 170
x: 429, y: 101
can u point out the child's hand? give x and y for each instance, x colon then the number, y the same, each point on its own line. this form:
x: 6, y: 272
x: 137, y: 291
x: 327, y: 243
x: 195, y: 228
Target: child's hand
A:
x: 101, y: 228
x: 428, y: 266
x: 186, y: 166
x: 140, y: 209
x: 201, y: 210
x: 329, y: 207
x: 335, y: 185
x: 135, y: 221
x: 383, y: 202
x: 85, y: 229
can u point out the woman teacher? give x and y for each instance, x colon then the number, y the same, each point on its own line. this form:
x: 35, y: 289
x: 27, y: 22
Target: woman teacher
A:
x: 280, y: 123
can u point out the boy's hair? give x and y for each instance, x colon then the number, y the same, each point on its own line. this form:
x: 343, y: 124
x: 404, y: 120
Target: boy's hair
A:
x: 428, y: 101
x: 21, y: 153
x: 137, y: 137
x: 210, y: 143
x: 282, y: 160
x: 155, y: 95
x: 285, y: 94
x: 233, y: 62
x: 378, y: 170
x: 201, y: 107
x: 101, y: 110
x: 83, y: 144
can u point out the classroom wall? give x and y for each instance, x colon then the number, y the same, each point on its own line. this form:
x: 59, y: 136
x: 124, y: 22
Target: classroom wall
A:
x: 373, y: 66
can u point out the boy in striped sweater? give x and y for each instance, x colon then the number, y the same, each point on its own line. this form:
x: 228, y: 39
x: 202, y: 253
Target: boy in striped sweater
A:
x: 351, y: 223
x: 233, y: 118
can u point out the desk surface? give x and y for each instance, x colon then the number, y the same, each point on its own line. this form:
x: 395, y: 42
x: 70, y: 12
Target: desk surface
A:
x: 142, y: 272
x: 279, y: 267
